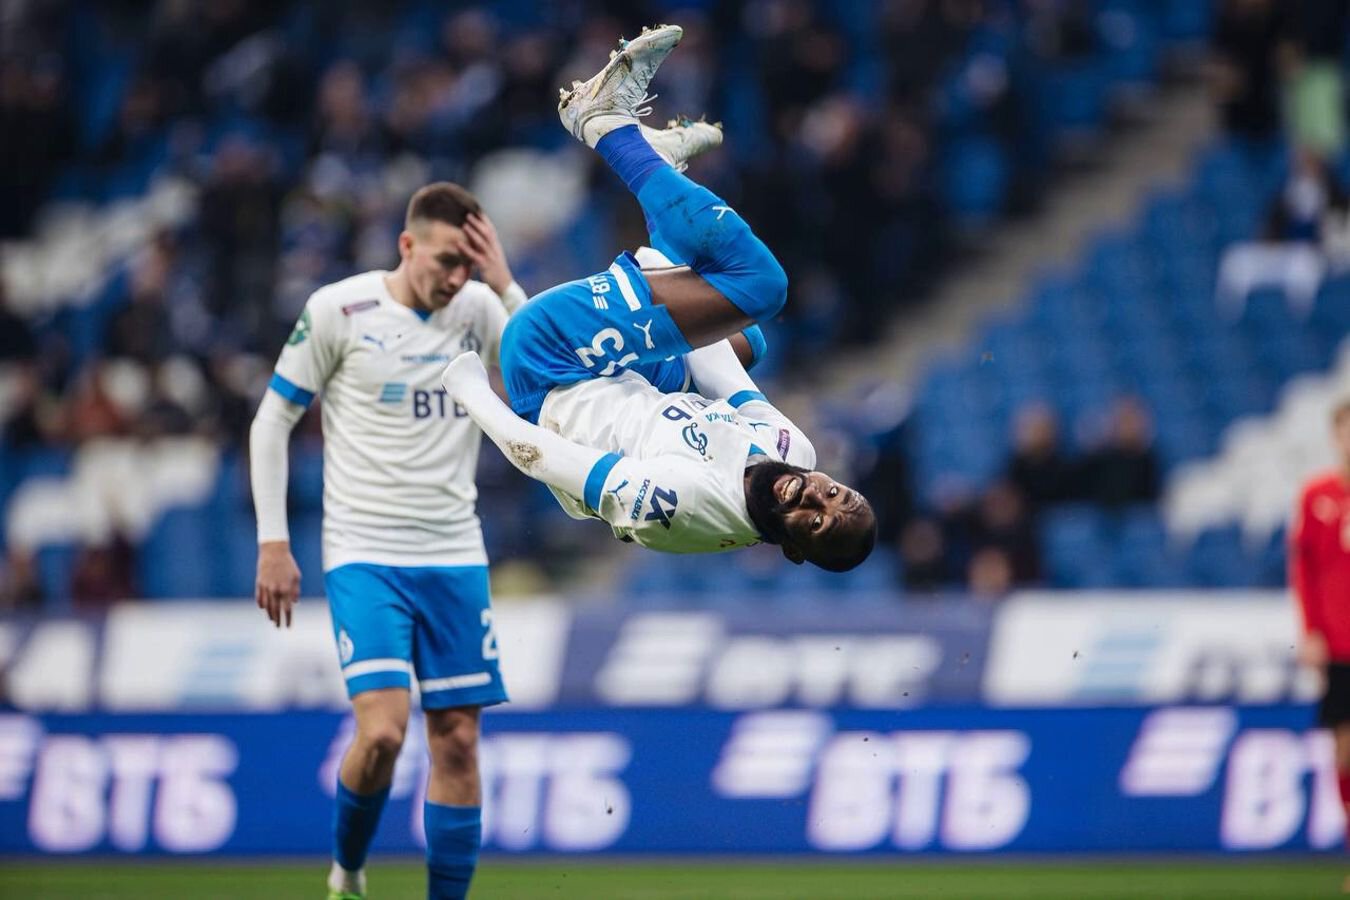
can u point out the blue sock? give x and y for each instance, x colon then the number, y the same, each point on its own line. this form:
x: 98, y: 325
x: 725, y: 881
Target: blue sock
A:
x: 454, y: 834
x: 758, y: 345
x: 694, y: 226
x: 630, y: 156
x: 354, y: 819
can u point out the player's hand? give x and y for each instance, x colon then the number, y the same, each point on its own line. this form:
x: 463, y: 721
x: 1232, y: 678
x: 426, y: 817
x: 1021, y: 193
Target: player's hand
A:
x: 485, y: 252
x: 464, y: 371
x: 278, y: 584
x: 1312, y: 652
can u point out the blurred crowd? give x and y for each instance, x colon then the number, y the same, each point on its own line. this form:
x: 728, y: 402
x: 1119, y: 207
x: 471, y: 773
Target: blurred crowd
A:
x: 988, y: 541
x: 302, y: 128
x: 1277, y: 74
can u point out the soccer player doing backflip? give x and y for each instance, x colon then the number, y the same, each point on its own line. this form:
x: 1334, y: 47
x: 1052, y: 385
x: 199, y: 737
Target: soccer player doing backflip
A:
x: 599, y: 370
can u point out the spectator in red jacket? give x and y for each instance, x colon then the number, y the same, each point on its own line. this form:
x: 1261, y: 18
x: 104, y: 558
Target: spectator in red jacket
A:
x: 1319, y: 569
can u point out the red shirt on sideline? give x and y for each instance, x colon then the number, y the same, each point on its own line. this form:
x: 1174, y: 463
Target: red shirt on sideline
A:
x: 1319, y: 560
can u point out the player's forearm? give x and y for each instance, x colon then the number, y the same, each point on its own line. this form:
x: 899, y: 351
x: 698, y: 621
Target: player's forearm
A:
x: 535, y: 451
x: 718, y: 373
x: 268, y: 439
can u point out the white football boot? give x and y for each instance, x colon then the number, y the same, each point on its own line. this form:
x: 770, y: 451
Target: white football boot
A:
x: 615, y: 95
x: 682, y: 139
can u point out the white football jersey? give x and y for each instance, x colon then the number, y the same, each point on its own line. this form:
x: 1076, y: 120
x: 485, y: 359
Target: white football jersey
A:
x: 680, y: 484
x: 399, y: 457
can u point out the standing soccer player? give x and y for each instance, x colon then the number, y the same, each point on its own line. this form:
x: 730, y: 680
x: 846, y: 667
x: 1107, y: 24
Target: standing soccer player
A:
x: 1319, y: 568
x: 405, y: 569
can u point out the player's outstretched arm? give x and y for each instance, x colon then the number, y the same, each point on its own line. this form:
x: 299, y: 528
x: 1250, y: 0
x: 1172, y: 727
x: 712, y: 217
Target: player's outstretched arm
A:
x: 277, y: 586
x: 536, y: 451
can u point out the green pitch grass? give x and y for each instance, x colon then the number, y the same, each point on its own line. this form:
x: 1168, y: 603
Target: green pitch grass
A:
x: 506, y: 879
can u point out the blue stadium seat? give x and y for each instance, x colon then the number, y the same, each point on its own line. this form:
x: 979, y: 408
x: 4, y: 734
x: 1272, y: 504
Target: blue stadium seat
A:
x: 1073, y: 538
x: 1218, y: 559
x: 178, y: 557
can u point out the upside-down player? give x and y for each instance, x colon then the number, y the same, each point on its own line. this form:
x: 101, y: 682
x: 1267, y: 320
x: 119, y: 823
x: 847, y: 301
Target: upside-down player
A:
x: 600, y: 364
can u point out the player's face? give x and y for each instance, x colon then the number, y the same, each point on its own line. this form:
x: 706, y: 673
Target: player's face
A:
x: 822, y: 519
x: 435, y: 254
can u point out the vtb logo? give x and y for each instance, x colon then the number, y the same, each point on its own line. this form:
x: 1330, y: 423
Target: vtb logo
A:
x: 425, y: 404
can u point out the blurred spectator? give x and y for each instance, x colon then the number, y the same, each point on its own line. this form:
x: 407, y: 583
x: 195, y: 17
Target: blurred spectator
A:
x: 20, y: 589
x: 1125, y: 469
x: 16, y: 337
x: 1311, y: 59
x: 1001, y: 521
x: 922, y: 551
x: 1038, y: 469
x: 1243, y: 70
x: 34, y: 104
x: 103, y: 574
x: 1309, y: 211
x: 989, y: 576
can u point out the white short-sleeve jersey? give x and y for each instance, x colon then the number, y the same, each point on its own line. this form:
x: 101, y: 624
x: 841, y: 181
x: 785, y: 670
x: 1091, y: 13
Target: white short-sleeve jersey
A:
x: 676, y: 480
x: 399, y: 457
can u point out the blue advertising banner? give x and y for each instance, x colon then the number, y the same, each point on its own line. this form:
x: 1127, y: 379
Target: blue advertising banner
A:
x: 948, y: 780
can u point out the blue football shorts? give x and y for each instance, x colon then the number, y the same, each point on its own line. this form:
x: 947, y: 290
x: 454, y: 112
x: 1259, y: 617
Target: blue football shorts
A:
x: 435, y: 622
x: 595, y: 327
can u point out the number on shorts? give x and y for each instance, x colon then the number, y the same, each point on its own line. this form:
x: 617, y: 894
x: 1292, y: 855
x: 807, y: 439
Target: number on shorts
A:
x: 489, y: 636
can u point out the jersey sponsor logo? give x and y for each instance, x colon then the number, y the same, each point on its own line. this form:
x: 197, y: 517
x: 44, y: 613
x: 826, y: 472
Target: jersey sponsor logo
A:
x: 696, y: 439
x: 599, y: 288
x: 617, y: 488
x: 301, y: 330
x: 471, y: 342
x: 393, y: 392
x: 660, y: 511
x: 425, y: 358
x: 784, y: 442
x: 756, y: 426
x: 719, y: 417
x: 675, y: 414
x: 641, y: 498
x: 428, y: 404
x: 360, y: 306
x: 371, y: 339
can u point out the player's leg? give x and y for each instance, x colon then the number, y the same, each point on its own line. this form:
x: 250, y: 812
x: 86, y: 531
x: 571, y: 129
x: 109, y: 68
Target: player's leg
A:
x: 455, y: 657
x: 373, y: 629
x: 453, y: 813
x: 733, y: 280
x: 1341, y: 735
x: 681, y: 140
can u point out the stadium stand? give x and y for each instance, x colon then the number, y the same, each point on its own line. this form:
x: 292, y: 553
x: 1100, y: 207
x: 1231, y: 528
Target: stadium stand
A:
x: 209, y: 172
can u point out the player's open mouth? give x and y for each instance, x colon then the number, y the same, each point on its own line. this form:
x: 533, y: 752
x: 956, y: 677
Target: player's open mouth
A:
x: 788, y: 489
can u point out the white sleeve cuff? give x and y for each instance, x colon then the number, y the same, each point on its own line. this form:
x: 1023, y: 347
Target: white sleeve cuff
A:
x: 513, y: 298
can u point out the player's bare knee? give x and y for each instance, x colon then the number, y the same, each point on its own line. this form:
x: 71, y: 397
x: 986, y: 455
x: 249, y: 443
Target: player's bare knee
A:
x: 382, y: 740
x: 452, y: 741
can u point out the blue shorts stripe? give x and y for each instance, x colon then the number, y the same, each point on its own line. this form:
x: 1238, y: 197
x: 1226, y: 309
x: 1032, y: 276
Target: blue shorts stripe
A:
x: 292, y: 392
x: 742, y: 397
x: 595, y: 481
